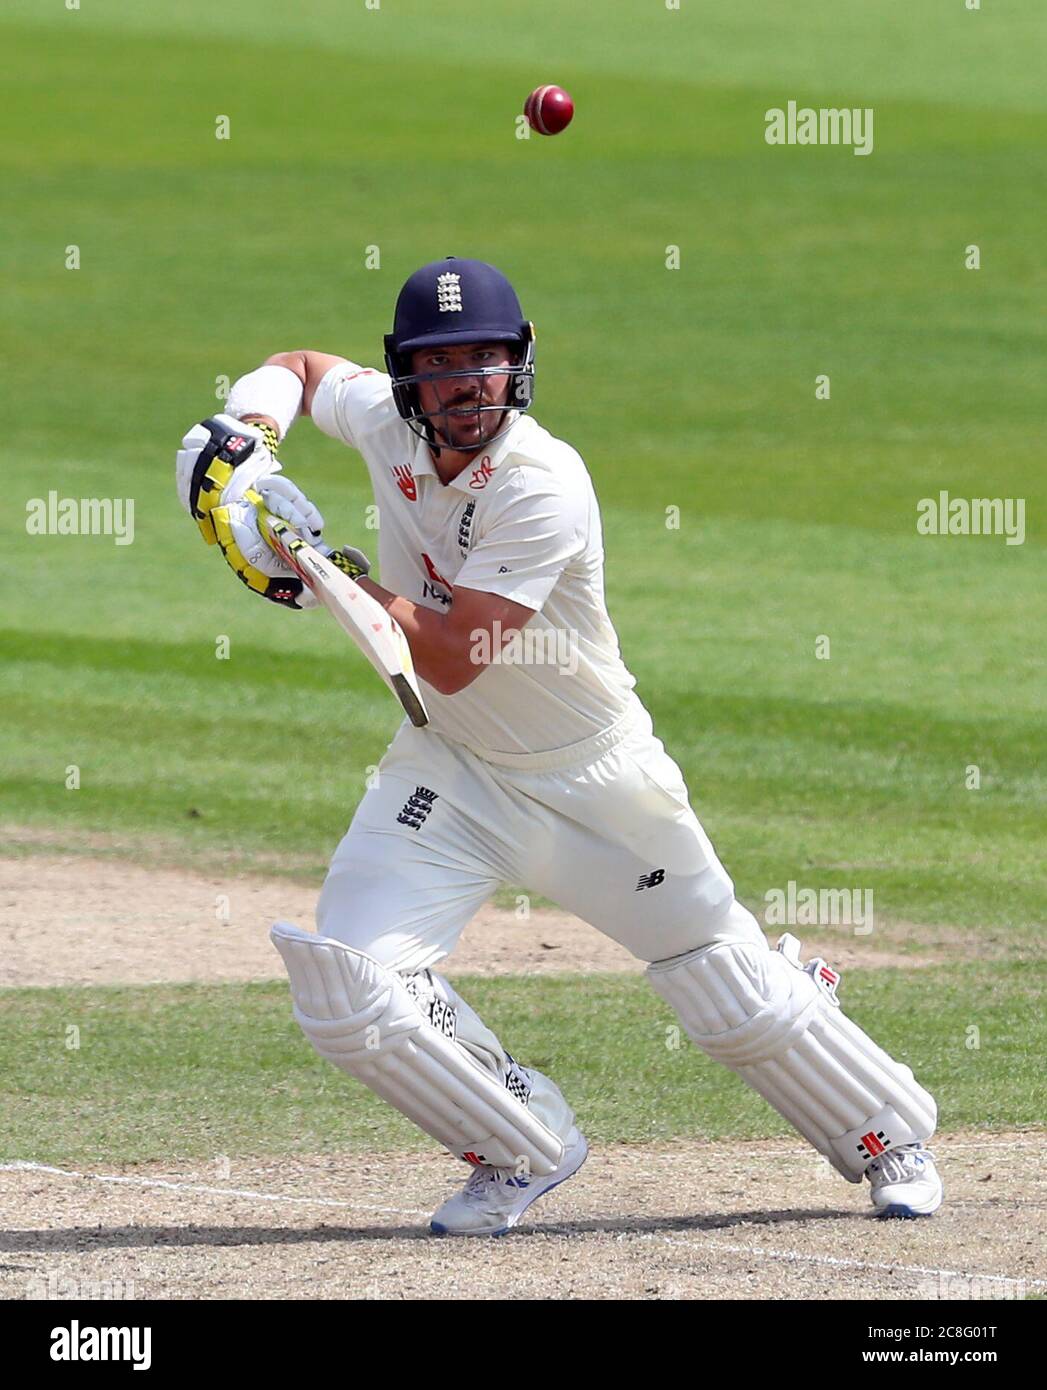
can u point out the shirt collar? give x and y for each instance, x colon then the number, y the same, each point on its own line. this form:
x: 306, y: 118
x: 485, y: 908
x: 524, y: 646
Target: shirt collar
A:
x: 473, y: 476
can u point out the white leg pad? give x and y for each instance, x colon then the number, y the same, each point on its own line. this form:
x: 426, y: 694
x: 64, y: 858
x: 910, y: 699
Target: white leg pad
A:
x: 362, y: 1017
x: 780, y: 1027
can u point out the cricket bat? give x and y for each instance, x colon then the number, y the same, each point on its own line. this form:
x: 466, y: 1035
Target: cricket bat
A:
x: 378, y: 635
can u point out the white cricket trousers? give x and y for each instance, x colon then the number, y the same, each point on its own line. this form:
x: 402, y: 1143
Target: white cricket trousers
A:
x: 603, y: 828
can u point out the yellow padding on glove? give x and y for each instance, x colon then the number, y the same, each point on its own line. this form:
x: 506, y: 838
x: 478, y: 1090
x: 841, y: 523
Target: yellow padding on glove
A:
x: 234, y: 557
x: 214, y: 480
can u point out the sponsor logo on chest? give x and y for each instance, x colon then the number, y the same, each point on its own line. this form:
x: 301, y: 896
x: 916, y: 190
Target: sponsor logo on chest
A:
x: 435, y: 577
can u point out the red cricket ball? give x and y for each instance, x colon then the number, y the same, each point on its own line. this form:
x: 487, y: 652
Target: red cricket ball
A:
x: 548, y: 110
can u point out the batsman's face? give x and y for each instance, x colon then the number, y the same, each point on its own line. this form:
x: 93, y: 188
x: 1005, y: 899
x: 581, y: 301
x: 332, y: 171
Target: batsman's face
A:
x: 452, y: 403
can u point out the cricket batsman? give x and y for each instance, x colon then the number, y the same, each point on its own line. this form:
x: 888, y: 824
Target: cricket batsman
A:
x: 539, y: 766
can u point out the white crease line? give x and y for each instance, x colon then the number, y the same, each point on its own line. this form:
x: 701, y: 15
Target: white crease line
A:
x: 943, y: 1143
x: 946, y: 1146
x: 794, y: 1257
x: 23, y: 1166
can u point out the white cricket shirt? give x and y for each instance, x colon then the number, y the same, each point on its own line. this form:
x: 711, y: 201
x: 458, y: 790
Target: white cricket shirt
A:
x: 521, y: 521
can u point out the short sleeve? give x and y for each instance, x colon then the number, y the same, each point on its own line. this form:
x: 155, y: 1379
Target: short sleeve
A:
x: 527, y: 547
x: 350, y: 401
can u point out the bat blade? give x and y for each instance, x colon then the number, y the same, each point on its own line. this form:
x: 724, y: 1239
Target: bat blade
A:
x: 378, y: 635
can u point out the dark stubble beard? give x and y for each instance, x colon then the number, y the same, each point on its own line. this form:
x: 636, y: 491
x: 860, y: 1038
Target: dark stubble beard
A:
x: 473, y: 442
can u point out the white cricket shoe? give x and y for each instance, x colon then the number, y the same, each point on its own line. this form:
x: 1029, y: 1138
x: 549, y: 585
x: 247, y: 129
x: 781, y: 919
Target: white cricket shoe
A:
x: 494, y: 1199
x: 905, y: 1182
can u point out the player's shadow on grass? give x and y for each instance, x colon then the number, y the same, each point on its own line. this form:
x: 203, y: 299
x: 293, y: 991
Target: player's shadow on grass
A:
x: 75, y: 1238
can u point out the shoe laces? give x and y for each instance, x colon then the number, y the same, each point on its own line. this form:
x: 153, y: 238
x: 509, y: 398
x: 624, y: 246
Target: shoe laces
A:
x: 896, y: 1164
x: 483, y: 1178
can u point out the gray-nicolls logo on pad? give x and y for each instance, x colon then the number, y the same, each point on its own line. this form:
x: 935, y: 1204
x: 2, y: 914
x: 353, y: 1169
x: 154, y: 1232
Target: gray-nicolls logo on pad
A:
x: 449, y: 293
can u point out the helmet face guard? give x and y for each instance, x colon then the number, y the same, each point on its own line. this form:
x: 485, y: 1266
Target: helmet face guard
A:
x: 448, y: 303
x: 433, y: 425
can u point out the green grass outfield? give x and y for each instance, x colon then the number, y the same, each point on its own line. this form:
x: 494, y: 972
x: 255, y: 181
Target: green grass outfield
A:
x: 195, y: 1071
x: 691, y: 388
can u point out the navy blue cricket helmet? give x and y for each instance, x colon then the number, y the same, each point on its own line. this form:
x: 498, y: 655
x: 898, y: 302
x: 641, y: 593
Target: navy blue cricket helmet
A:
x: 458, y: 301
